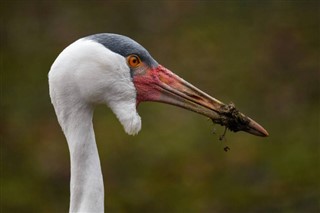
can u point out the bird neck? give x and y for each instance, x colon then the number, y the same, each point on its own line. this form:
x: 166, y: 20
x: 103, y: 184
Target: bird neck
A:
x: 86, y: 185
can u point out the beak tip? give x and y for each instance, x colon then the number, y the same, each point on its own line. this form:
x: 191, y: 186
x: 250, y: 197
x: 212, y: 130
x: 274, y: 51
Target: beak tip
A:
x: 256, y: 129
x: 266, y: 134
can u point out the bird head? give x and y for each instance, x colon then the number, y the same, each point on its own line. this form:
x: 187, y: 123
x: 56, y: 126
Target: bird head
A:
x: 116, y: 70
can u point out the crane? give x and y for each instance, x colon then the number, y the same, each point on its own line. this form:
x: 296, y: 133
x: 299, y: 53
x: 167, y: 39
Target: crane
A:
x: 117, y: 71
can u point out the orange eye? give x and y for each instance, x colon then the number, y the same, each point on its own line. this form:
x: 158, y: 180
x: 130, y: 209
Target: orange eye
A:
x: 133, y: 61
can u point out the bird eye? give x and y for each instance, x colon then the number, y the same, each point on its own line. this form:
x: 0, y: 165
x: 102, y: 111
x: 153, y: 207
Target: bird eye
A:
x: 133, y: 61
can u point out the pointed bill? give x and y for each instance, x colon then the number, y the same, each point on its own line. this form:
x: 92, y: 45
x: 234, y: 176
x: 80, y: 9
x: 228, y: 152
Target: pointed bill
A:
x: 161, y: 85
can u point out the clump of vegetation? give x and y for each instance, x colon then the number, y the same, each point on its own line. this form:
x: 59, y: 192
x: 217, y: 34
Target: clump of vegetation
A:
x: 231, y: 118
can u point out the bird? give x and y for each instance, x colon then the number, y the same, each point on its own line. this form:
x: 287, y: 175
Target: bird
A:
x: 114, y: 70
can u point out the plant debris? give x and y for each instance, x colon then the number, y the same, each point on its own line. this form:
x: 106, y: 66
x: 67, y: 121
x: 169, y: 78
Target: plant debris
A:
x: 223, y: 135
x: 231, y: 118
x: 222, y: 138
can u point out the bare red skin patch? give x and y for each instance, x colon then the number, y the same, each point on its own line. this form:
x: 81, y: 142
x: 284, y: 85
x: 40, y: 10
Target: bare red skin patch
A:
x: 148, y: 84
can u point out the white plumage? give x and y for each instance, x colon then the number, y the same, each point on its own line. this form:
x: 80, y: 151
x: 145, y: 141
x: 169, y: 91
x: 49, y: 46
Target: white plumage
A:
x: 84, y: 74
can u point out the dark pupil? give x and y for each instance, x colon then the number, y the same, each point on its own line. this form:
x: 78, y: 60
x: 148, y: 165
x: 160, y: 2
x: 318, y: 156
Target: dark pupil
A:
x: 134, y: 60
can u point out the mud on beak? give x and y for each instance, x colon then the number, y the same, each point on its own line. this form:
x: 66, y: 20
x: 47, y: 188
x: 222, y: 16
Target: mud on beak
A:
x: 161, y: 85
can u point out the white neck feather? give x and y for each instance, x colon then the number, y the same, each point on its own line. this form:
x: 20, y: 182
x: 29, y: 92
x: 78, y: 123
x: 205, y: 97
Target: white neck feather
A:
x: 86, y: 185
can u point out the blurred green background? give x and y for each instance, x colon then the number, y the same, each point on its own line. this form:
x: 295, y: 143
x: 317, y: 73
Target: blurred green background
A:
x: 263, y: 56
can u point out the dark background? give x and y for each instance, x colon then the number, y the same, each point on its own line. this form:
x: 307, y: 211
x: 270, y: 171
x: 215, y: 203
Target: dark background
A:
x: 264, y: 57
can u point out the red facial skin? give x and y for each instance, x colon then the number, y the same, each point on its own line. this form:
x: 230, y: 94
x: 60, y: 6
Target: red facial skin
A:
x: 147, y: 84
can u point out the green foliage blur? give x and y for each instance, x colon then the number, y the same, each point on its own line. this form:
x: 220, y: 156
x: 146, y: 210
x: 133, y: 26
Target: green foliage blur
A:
x: 262, y: 56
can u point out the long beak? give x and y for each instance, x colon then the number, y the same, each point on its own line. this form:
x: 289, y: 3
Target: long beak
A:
x: 161, y: 85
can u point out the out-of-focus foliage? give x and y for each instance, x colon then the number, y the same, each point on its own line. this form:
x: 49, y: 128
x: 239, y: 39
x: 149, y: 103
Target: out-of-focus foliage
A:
x: 264, y: 57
